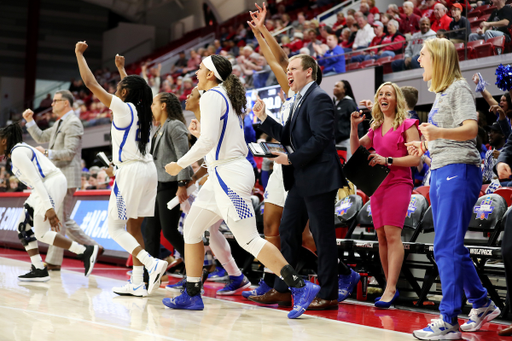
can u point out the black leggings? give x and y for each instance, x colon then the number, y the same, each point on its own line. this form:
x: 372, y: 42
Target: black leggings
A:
x: 506, y: 251
x: 164, y: 220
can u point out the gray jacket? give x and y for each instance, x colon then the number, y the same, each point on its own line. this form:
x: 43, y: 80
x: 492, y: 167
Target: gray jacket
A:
x: 65, y: 146
x: 170, y: 143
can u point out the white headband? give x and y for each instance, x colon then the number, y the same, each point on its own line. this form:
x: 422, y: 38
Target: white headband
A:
x: 208, y: 62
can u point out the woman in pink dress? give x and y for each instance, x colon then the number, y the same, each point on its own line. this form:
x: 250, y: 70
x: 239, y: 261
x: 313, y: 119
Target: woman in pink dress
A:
x: 389, y: 131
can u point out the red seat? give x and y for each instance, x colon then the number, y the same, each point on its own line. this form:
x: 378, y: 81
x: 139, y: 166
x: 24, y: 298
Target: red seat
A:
x: 488, y: 10
x: 475, y: 43
x: 368, y: 63
x: 353, y: 66
x: 484, y: 187
x: 505, y: 193
x: 461, y: 51
x: 474, y: 13
x: 383, y: 60
x: 425, y: 191
x: 473, y: 18
x: 484, y: 50
x: 498, y: 43
x: 363, y: 196
x: 484, y: 17
x: 476, y: 23
x: 398, y: 56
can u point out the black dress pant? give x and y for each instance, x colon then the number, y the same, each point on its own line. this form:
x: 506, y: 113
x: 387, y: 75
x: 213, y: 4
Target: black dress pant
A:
x: 506, y: 252
x: 319, y: 209
x: 164, y: 220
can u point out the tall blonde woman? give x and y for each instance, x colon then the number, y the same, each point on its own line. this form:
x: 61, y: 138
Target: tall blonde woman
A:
x: 390, y: 128
x: 456, y: 180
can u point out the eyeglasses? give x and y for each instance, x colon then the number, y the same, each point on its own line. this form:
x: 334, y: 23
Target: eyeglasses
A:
x: 57, y: 100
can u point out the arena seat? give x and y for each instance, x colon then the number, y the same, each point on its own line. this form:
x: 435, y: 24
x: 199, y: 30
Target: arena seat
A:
x: 476, y: 23
x: 474, y: 13
x: 425, y: 191
x: 363, y: 196
x: 368, y: 63
x: 346, y: 211
x: 488, y: 11
x: 498, y: 43
x: 505, y: 193
x: 353, y: 66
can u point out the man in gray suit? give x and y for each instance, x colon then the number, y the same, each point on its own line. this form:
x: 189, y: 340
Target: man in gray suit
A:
x: 65, y: 151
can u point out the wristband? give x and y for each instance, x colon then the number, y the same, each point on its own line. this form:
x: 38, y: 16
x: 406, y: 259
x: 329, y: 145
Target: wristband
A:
x: 182, y: 183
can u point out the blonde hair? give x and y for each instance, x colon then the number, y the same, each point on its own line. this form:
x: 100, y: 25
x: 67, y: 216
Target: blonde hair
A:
x: 400, y: 111
x: 445, y: 63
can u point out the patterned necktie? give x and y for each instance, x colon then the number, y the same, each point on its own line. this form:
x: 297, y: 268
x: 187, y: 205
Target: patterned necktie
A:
x: 56, y: 133
x: 295, y: 104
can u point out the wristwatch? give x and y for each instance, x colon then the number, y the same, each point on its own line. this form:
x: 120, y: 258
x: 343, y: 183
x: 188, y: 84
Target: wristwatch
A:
x: 390, y: 161
x: 289, y: 162
x: 46, y: 152
x: 182, y: 183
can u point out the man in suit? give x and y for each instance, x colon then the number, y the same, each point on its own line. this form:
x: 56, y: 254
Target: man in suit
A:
x: 65, y: 151
x: 312, y: 174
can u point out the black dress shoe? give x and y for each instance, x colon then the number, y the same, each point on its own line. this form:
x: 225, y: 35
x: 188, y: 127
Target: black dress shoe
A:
x: 506, y: 332
x: 321, y: 304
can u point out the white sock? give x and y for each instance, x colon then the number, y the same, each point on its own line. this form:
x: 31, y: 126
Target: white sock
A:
x: 193, y: 279
x: 231, y: 267
x: 77, y: 248
x: 137, y: 274
x: 37, y: 261
x: 146, y: 259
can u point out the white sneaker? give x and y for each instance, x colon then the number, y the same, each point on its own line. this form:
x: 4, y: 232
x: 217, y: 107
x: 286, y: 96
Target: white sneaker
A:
x: 131, y: 289
x: 156, y: 271
x: 439, y: 330
x: 477, y: 317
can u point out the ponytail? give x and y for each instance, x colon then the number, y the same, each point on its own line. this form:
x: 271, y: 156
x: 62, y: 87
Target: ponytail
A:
x: 140, y: 94
x: 13, y: 134
x: 172, y: 106
x: 236, y: 94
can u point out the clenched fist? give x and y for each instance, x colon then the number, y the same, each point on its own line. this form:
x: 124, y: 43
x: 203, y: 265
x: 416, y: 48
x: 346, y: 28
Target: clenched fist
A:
x: 80, y: 47
x: 28, y: 115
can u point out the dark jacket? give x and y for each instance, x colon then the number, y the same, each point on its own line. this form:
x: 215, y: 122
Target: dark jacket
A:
x: 169, y: 144
x: 343, y: 109
x: 462, y: 23
x: 316, y: 167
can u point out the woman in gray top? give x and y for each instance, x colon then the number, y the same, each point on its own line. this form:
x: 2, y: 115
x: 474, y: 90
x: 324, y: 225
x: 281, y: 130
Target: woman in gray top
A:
x: 456, y: 180
x: 169, y: 143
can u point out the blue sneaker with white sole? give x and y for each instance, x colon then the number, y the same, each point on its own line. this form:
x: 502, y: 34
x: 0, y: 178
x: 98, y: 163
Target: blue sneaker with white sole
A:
x: 262, y: 289
x: 218, y: 275
x: 177, y: 286
x: 302, y: 298
x: 184, y: 301
x: 236, y: 283
x: 347, y: 284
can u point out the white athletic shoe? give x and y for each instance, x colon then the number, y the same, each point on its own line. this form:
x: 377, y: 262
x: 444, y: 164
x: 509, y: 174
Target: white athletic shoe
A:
x: 131, y: 289
x: 438, y: 329
x: 156, y: 272
x: 478, y: 317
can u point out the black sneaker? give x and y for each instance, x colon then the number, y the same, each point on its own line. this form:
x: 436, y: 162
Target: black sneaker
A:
x: 35, y: 275
x: 89, y: 258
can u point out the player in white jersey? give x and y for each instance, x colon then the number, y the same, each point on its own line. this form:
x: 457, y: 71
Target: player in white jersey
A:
x: 49, y: 185
x: 228, y: 187
x: 134, y: 191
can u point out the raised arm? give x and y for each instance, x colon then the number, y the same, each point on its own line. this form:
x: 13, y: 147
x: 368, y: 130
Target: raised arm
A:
x: 120, y: 66
x: 485, y: 94
x: 259, y: 20
x: 271, y: 59
x: 87, y: 76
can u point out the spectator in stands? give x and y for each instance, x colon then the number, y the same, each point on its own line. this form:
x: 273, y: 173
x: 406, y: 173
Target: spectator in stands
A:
x: 364, y: 35
x: 344, y: 105
x: 410, y: 22
x: 299, y: 23
x: 92, y: 182
x: 496, y: 140
x: 349, y: 21
x: 393, y: 11
x: 441, y: 34
x: 427, y: 9
x: 45, y: 103
x: 365, y: 9
x: 180, y: 63
x: 346, y: 44
x: 373, y: 9
x: 193, y: 62
x: 188, y: 85
x: 442, y: 20
x: 378, y: 29
x: 412, y: 51
x: 497, y: 25
x: 102, y: 180
x: 84, y: 180
x: 456, y: 181
x: 154, y: 82
x: 333, y: 61
x: 14, y: 185
x: 296, y: 44
x: 416, y: 10
x: 340, y: 21
x: 394, y: 36
x: 503, y: 108
x: 411, y: 98
x: 459, y: 22
x: 390, y: 128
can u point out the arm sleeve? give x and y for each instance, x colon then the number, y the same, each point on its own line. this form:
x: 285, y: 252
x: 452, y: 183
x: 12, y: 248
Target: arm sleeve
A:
x: 40, y: 136
x: 72, y: 139
x: 121, y: 113
x: 21, y: 158
x: 178, y: 137
x: 320, y: 116
x: 212, y: 106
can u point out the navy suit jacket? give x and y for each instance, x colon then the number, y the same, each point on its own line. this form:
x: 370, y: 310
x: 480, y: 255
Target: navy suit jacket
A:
x: 316, y: 167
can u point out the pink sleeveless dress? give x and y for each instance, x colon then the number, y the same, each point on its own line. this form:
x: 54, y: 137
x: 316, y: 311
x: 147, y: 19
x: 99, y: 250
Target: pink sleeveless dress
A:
x: 390, y: 202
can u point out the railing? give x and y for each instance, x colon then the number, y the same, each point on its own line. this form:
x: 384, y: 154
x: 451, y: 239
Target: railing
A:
x: 126, y: 52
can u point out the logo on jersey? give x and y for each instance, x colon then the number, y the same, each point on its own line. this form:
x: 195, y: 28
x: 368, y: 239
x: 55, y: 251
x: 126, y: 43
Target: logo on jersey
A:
x: 484, y: 209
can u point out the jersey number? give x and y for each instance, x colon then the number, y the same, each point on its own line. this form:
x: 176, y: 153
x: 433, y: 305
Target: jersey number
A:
x: 137, y: 133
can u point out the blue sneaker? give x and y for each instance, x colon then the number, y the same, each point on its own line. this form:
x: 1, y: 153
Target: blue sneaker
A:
x: 218, y: 275
x: 235, y: 284
x: 302, y: 298
x: 262, y: 289
x: 177, y: 286
x: 346, y: 284
x: 184, y: 301
x: 439, y: 330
